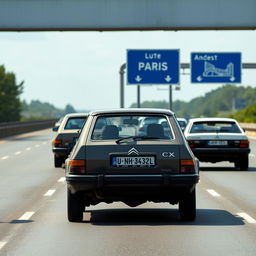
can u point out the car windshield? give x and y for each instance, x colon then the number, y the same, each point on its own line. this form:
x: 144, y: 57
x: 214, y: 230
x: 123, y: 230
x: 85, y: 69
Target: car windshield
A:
x: 182, y: 123
x: 75, y: 123
x: 119, y: 127
x: 214, y: 127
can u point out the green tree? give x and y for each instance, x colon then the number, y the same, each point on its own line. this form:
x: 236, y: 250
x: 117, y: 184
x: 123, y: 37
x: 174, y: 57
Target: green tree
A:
x: 247, y: 115
x: 10, y: 91
x: 69, y: 109
x: 37, y: 110
x: 218, y: 102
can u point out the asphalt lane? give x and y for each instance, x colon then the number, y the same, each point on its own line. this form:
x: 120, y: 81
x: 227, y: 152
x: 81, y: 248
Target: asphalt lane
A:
x: 33, y: 212
x: 24, y: 176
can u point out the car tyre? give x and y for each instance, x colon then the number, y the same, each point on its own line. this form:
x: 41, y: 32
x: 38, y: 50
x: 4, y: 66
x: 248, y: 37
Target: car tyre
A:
x: 58, y: 161
x: 187, y: 206
x: 75, y: 207
x: 244, y: 163
x: 237, y: 164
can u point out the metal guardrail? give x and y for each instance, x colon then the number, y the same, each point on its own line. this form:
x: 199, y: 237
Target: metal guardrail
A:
x: 248, y: 126
x: 250, y: 129
x: 14, y: 128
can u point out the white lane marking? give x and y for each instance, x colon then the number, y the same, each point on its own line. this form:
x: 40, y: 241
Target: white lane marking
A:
x: 36, y: 146
x: 50, y: 192
x: 213, y: 193
x: 26, y: 216
x: 4, y: 157
x: 17, y: 153
x: 28, y: 148
x: 44, y: 143
x: 251, y: 155
x: 62, y: 179
x: 2, y: 244
x: 246, y: 217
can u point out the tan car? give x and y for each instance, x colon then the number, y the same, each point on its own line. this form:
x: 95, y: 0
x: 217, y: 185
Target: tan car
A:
x: 67, y: 134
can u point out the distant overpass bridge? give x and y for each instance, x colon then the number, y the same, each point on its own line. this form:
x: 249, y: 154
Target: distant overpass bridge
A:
x: 111, y: 15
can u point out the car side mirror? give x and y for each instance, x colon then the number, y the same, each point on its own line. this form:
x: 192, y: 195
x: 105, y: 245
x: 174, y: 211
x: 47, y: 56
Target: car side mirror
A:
x: 55, y: 128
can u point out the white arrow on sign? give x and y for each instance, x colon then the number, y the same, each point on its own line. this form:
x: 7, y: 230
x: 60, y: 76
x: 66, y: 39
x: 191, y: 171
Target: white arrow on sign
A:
x: 168, y: 78
x: 199, y: 78
x: 232, y: 79
x: 138, y: 78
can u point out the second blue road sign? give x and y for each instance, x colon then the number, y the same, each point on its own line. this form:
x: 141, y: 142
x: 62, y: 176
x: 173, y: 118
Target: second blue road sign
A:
x: 216, y: 67
x: 153, y: 66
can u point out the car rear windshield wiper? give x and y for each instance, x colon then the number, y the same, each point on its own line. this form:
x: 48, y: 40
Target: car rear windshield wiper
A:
x: 135, y: 138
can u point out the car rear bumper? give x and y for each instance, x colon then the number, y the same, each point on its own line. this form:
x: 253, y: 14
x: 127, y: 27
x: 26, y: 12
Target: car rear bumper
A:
x: 61, y: 151
x: 220, y: 154
x: 78, y: 183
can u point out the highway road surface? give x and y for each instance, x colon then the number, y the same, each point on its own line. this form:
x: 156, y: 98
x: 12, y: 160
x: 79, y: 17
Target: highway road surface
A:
x: 33, y: 217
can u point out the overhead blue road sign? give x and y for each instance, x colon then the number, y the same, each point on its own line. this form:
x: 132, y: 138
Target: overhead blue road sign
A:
x: 216, y: 67
x: 153, y: 66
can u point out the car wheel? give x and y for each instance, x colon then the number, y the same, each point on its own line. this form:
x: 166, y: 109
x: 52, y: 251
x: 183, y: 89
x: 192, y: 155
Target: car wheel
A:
x: 187, y: 206
x: 58, y: 161
x: 75, y: 207
x: 237, y: 164
x: 244, y: 163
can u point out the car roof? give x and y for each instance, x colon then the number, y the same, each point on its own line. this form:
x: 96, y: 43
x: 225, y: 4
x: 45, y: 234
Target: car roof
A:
x: 214, y: 119
x: 76, y: 115
x: 133, y: 111
x: 181, y: 119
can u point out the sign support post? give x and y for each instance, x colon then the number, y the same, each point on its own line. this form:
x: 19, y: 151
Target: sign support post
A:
x: 170, y: 97
x: 138, y: 96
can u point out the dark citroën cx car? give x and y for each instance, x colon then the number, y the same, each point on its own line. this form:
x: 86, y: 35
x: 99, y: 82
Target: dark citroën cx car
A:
x: 112, y: 161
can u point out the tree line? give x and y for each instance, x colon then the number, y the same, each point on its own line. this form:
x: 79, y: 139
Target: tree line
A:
x: 10, y: 91
x: 234, y: 101
x: 12, y: 108
x: 222, y: 102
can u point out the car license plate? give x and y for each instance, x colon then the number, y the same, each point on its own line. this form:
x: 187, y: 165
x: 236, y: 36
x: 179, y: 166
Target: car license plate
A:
x: 217, y: 143
x: 138, y: 161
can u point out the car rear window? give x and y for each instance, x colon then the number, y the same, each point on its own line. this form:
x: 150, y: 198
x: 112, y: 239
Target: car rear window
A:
x: 213, y: 127
x: 75, y: 123
x: 118, y: 127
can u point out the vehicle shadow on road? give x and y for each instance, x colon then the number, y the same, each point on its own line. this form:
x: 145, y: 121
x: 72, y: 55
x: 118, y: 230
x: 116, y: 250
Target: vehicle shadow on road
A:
x: 19, y: 221
x: 159, y: 217
x: 16, y: 221
x: 226, y: 169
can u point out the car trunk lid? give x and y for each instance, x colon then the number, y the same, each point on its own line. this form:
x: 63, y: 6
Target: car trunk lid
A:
x: 137, y: 158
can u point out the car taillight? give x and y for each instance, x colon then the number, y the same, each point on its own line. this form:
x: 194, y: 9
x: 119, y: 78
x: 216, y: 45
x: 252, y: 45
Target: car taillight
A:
x: 244, y: 144
x: 57, y: 143
x: 193, y: 143
x: 77, y: 166
x: 187, y: 166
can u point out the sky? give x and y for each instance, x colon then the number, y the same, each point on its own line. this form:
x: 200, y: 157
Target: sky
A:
x: 82, y: 68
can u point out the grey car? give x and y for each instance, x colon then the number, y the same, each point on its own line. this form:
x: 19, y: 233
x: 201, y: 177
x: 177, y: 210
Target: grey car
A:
x: 112, y: 162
